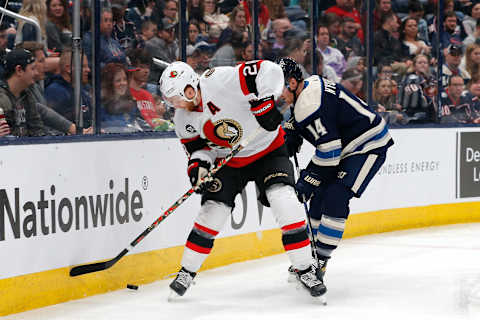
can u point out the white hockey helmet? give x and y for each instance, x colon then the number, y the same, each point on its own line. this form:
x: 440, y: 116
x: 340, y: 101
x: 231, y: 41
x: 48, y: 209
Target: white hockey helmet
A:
x: 175, y: 78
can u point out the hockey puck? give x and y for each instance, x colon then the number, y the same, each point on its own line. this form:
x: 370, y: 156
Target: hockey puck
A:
x: 132, y: 286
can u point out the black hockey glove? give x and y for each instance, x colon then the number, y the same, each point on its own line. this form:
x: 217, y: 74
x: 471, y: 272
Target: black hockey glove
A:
x: 307, y: 183
x: 197, y: 169
x: 293, y: 141
x: 266, y: 113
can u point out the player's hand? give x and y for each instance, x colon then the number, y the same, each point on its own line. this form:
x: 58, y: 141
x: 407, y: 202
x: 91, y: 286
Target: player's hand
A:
x: 293, y: 141
x: 307, y: 183
x: 198, y: 169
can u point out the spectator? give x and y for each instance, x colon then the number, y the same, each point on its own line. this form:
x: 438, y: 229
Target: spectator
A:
x: 194, y: 32
x: 387, y: 106
x: 276, y: 9
x: 347, y: 42
x: 458, y: 105
x: 119, y: 110
x: 38, y: 115
x: 247, y: 52
x: 59, y: 93
x: 352, y: 80
x: 453, y: 58
x: 170, y: 11
x: 472, y: 59
x: 409, y: 36
x: 195, y: 10
x: 416, y: 11
x: 470, y: 21
x: 229, y: 53
x: 280, y: 26
x: 357, y: 63
x: 332, y: 21
x: 347, y: 8
x: 474, y: 36
x: 36, y: 10
x: 149, y: 30
x: 322, y: 69
x: 297, y: 50
x: 237, y: 23
x: 387, y: 45
x: 216, y: 21
x: 110, y: 49
x: 263, y: 14
x: 331, y: 56
x: 382, y: 7
x: 205, y: 52
x: 141, y: 61
x: 452, y: 32
x: 417, y: 90
x: 138, y: 12
x: 124, y: 31
x: 19, y: 71
x: 384, y: 70
x: 58, y: 27
x: 163, y: 47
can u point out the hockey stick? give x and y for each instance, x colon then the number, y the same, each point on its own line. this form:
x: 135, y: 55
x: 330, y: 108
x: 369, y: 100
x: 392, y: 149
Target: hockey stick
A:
x: 99, y: 266
x: 305, y: 206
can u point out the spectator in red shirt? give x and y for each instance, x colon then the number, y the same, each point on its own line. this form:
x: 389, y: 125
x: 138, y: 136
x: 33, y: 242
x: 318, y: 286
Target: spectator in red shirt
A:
x: 141, y: 61
x: 347, y: 8
x: 263, y: 15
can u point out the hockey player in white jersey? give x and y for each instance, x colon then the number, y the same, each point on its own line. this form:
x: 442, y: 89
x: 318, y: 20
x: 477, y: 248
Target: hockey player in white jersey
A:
x: 351, y: 143
x: 213, y: 113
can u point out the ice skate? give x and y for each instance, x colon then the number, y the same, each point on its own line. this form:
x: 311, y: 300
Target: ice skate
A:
x: 310, y: 281
x: 182, y: 282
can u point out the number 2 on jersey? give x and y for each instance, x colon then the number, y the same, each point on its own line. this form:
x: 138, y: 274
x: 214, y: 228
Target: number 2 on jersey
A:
x: 319, y: 129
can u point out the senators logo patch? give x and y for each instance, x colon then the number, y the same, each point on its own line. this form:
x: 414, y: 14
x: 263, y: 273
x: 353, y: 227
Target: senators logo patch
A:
x: 224, y: 132
x: 173, y: 74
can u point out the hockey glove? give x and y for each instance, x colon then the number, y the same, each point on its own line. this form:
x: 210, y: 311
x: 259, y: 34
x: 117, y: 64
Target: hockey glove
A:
x: 266, y: 113
x: 307, y: 183
x: 198, y: 169
x: 293, y: 141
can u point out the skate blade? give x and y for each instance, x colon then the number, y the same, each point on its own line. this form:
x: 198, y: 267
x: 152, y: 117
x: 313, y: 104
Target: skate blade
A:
x: 173, y: 296
x: 321, y: 299
x: 292, y: 278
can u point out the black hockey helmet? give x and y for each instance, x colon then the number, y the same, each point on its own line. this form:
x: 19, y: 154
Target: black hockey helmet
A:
x: 291, y: 69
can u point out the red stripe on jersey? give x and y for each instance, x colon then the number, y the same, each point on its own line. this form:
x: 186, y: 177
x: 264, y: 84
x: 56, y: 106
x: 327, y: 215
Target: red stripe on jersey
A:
x: 292, y: 226
x: 209, y: 131
x: 243, y: 81
x: 297, y: 245
x: 239, y: 162
x: 197, y: 248
x: 205, y: 229
x: 187, y: 140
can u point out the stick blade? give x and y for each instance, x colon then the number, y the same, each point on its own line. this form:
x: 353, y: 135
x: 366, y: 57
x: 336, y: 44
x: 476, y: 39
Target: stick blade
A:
x: 89, y: 268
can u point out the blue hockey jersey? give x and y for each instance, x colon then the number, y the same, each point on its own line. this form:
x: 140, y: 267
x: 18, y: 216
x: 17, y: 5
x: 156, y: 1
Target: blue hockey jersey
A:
x: 337, y: 123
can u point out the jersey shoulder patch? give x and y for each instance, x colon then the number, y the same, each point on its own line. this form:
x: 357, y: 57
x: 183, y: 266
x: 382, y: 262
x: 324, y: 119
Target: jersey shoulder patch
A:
x: 310, y: 99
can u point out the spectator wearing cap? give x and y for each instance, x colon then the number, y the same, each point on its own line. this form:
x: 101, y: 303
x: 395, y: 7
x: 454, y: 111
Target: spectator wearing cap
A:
x: 347, y: 42
x: 110, y: 49
x: 347, y: 8
x: 140, y: 62
x: 19, y: 70
x: 164, y: 45
x: 59, y: 93
x: 331, y: 56
x: 41, y: 119
x: 352, y: 80
x: 230, y: 53
x: 451, y: 67
x: 58, y: 27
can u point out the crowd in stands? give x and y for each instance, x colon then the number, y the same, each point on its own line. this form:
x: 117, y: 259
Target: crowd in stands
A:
x: 137, y: 38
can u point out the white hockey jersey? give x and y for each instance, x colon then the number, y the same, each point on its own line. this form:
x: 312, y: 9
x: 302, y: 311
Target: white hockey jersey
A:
x: 224, y: 117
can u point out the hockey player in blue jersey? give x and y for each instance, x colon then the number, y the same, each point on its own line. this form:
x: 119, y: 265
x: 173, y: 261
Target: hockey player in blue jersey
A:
x: 351, y: 143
